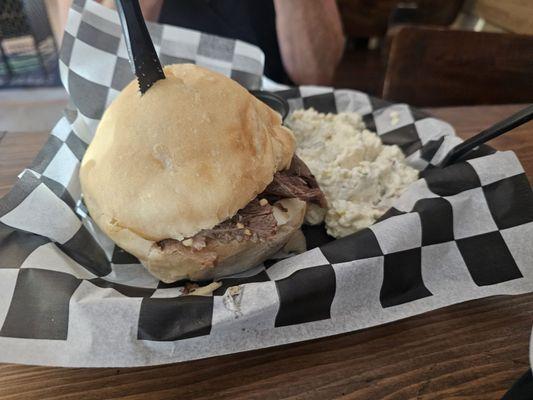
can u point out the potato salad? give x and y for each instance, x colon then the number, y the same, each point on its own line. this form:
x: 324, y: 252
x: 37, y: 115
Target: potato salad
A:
x: 359, y: 175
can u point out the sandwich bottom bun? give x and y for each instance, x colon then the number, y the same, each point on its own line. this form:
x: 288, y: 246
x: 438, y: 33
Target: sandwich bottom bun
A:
x: 174, y: 261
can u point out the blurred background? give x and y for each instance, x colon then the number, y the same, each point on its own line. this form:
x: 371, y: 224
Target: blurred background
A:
x: 422, y: 52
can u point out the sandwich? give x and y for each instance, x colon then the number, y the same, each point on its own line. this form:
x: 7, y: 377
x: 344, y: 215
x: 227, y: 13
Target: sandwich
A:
x: 196, y: 178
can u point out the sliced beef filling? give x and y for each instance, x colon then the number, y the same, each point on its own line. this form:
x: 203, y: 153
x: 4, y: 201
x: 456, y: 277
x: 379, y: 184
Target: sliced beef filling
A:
x: 256, y: 221
x: 205, y: 258
x: 295, y: 182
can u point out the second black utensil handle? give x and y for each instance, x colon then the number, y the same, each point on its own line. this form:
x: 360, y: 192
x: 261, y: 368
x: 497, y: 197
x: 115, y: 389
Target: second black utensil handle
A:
x: 509, y: 123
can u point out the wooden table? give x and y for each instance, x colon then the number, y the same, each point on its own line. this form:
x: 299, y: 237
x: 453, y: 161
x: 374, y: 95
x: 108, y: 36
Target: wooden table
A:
x: 474, y: 350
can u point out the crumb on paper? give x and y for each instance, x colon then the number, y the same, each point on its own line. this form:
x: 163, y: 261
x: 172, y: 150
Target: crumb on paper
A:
x: 394, y: 117
x: 232, y: 299
x: 189, y: 287
x: 263, y: 202
x: 207, y: 290
x: 194, y: 289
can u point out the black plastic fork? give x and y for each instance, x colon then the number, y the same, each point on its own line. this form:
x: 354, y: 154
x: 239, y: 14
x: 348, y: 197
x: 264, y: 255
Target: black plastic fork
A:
x: 509, y: 123
x: 143, y: 58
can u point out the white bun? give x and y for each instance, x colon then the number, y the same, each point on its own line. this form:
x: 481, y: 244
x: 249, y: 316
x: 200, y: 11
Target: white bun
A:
x: 186, y: 155
x: 177, y: 262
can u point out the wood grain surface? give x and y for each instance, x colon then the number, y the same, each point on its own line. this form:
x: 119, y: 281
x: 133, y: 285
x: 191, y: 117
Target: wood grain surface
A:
x: 17, y: 151
x: 512, y: 15
x: 474, y: 350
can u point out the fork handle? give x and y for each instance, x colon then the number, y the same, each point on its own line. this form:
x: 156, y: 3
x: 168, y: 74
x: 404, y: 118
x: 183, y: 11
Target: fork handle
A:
x: 143, y: 57
x: 509, y: 123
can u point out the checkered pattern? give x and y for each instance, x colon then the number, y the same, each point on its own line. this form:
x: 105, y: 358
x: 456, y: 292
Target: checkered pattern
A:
x: 69, y: 296
x: 94, y: 62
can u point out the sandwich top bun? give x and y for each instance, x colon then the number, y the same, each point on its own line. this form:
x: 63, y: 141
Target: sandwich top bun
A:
x: 185, y: 156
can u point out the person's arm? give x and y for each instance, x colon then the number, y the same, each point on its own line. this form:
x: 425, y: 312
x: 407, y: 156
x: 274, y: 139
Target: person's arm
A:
x: 150, y: 8
x: 311, y: 39
x: 62, y: 7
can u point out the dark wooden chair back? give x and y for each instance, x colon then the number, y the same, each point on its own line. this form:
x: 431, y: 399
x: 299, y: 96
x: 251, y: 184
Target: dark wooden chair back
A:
x: 440, y: 67
x: 367, y: 18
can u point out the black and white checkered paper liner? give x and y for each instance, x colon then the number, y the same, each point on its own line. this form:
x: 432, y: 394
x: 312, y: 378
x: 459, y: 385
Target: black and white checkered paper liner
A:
x: 70, y: 297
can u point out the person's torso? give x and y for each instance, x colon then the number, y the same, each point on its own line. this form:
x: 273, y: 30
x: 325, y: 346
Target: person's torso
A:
x: 251, y: 21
